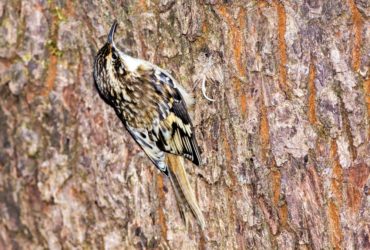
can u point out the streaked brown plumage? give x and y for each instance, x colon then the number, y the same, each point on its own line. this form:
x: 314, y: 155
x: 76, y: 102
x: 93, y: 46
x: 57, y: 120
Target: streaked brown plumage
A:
x: 153, y: 108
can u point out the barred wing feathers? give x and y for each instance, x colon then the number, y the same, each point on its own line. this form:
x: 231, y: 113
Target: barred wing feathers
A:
x: 162, y: 123
x: 176, y: 132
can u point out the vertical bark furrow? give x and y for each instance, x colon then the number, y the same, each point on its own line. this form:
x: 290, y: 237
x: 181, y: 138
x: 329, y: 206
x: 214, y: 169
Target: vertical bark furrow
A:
x: 285, y: 144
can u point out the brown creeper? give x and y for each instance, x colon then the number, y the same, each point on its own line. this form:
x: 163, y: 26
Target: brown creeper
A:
x: 153, y: 108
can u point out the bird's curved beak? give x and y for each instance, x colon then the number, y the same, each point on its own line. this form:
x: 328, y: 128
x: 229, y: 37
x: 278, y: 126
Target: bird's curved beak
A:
x: 111, y: 32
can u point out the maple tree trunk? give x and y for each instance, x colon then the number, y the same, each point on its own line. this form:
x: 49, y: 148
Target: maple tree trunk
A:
x: 285, y: 144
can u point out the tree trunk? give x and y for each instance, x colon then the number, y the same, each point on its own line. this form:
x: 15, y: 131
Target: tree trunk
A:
x: 285, y: 144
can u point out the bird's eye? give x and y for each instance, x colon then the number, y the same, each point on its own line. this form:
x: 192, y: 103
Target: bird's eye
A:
x: 114, y: 56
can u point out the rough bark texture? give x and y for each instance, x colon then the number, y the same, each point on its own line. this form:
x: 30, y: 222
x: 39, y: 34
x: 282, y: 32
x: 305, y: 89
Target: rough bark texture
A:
x: 285, y: 144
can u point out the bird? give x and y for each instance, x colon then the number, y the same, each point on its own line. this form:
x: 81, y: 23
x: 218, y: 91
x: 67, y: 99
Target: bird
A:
x: 153, y: 108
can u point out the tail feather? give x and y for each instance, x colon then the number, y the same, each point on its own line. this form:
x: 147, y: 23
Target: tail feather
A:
x: 184, y: 193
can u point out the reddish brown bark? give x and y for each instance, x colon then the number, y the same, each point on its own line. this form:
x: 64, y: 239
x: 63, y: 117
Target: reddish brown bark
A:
x: 285, y: 145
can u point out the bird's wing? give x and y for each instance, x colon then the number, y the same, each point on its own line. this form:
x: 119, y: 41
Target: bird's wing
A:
x: 161, y: 108
x: 149, y: 146
x: 174, y: 132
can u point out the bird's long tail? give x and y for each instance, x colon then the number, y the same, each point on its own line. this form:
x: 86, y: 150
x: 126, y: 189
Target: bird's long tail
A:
x: 183, y: 191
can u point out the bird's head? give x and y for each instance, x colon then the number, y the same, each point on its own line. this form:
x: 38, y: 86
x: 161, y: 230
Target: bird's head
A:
x: 108, y: 62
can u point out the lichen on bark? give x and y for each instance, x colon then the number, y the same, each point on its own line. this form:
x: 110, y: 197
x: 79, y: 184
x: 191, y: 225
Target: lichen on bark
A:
x: 285, y: 144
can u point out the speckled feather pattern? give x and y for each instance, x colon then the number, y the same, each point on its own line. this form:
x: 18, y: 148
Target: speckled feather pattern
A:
x: 153, y: 108
x: 150, y: 103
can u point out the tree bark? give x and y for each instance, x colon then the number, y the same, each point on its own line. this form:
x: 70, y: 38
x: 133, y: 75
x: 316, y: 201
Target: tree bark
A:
x: 285, y: 144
